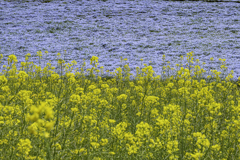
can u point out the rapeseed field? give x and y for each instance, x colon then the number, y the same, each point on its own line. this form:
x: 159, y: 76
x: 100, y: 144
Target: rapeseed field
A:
x: 45, y: 115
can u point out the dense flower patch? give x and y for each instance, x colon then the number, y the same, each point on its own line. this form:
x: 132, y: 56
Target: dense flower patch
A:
x: 44, y: 115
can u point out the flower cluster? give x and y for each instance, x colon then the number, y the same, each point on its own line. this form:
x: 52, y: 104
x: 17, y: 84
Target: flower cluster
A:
x: 80, y: 116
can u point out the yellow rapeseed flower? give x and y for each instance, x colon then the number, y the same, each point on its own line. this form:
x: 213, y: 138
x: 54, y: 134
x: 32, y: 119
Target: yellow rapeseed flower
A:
x: 12, y: 58
x: 24, y: 147
x: 49, y: 125
x: 3, y: 80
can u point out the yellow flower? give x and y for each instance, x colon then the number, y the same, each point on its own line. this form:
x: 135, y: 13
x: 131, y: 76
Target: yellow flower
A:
x: 12, y: 58
x: 143, y: 129
x: 83, y: 150
x: 122, y: 97
x: 39, y: 53
x: 112, y: 153
x: 54, y: 77
x: 3, y: 80
x: 74, y: 62
x: 58, y: 146
x: 104, y: 86
x: 95, y: 145
x: 104, y: 142
x: 197, y: 155
x: 74, y: 98
x: 22, y: 75
x: 33, y: 117
x: 49, y: 113
x: 49, y: 125
x: 216, y: 147
x: 119, y: 130
x: 111, y: 121
x: 132, y: 149
x: 154, y: 113
x: 60, y: 61
x: 46, y: 135
x: 24, y: 147
x: 96, y: 91
x: 94, y: 59
x: 74, y: 109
